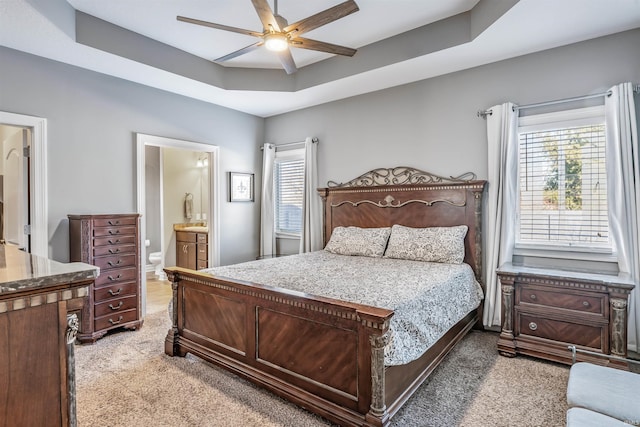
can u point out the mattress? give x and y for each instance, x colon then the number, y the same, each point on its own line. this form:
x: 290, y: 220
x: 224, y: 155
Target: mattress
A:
x: 427, y: 298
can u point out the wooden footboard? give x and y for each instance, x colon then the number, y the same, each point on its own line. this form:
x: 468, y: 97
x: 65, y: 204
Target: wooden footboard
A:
x: 324, y: 355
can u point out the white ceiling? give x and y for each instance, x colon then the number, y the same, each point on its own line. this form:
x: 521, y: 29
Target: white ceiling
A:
x: 47, y: 28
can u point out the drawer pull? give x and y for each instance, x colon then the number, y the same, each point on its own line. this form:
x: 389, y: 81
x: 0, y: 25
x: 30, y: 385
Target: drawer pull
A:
x: 111, y: 242
x: 113, y: 294
x: 114, y: 223
x: 533, y: 326
x: 116, y: 307
x: 533, y: 296
x: 114, y: 278
x: 113, y: 264
x: 115, y: 322
x: 112, y: 251
x: 585, y: 303
x: 112, y: 232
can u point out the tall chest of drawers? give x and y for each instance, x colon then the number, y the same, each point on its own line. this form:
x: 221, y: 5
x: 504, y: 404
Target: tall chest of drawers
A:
x: 111, y: 243
x: 544, y: 311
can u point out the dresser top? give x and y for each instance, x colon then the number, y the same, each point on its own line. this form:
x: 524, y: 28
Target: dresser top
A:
x: 21, y: 271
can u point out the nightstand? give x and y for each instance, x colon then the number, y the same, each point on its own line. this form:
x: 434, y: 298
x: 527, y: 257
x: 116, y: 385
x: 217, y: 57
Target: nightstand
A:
x: 544, y: 311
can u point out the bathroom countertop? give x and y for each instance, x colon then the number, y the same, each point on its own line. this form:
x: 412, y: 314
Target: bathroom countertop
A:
x: 197, y: 227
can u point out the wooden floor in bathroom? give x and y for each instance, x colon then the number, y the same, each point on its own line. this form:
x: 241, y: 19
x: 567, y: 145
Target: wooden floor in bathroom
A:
x: 158, y: 293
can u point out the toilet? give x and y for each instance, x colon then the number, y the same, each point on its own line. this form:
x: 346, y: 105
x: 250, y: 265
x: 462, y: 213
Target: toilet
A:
x: 155, y: 258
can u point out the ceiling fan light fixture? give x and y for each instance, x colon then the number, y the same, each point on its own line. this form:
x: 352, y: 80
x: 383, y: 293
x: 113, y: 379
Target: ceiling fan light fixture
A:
x: 276, y: 42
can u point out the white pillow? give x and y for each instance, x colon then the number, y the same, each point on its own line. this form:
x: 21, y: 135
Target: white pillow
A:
x: 358, y: 241
x: 434, y: 244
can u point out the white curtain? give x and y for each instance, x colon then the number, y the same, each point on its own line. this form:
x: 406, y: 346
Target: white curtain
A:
x: 267, y: 231
x: 501, y: 203
x: 623, y: 189
x: 311, y: 236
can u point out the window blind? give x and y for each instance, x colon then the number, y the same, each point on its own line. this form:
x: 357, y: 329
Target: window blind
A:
x: 289, y: 189
x: 563, y: 187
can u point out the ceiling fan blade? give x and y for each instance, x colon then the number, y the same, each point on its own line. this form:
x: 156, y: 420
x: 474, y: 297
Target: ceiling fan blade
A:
x: 322, y: 46
x: 239, y: 52
x: 218, y: 26
x: 266, y: 15
x: 287, y: 61
x: 319, y: 19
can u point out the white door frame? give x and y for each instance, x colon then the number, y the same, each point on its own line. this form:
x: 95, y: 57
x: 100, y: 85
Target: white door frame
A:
x: 214, y: 195
x: 39, y: 193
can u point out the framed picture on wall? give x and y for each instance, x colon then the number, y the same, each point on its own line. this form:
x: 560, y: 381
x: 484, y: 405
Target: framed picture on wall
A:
x: 240, y: 187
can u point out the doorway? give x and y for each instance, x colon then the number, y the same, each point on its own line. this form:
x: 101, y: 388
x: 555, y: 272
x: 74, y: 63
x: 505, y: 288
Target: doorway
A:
x: 25, y: 189
x: 201, y: 152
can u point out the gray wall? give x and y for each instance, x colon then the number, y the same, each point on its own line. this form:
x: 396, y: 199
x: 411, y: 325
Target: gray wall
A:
x: 92, y: 121
x: 432, y: 124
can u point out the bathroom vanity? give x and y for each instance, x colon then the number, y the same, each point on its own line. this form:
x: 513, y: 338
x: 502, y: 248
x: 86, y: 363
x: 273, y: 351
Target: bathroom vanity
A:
x: 192, y: 247
x: 37, y: 367
x: 111, y: 242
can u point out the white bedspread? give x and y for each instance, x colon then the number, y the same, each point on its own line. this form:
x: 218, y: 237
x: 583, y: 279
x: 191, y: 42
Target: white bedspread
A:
x: 427, y: 298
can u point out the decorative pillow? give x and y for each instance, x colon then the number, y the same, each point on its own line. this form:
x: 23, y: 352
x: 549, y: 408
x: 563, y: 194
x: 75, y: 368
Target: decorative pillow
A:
x: 434, y: 244
x: 358, y: 241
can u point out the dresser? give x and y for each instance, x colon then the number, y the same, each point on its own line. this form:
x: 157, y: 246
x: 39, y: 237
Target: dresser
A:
x: 37, y: 368
x: 110, y: 242
x: 192, y: 249
x: 544, y: 311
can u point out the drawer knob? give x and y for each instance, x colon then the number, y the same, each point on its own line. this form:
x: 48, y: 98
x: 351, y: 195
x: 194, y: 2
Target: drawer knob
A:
x: 113, y: 242
x: 112, y: 264
x: 533, y: 326
x: 112, y: 232
x: 586, y: 303
x: 112, y: 251
x: 116, y: 307
x: 114, y: 278
x: 115, y: 322
x: 114, y: 222
x: 533, y: 296
x: 113, y: 294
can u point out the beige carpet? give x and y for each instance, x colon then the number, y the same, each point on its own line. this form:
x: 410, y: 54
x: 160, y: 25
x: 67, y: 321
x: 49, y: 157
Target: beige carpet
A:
x: 125, y: 379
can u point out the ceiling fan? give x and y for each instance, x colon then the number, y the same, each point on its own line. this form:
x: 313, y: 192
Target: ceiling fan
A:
x: 277, y: 35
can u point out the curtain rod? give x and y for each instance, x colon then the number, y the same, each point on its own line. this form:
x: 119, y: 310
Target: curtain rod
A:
x: 314, y: 140
x: 485, y: 113
x: 561, y: 101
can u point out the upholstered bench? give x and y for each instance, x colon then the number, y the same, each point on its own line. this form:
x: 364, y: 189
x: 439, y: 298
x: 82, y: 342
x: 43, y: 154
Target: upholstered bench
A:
x: 601, y: 396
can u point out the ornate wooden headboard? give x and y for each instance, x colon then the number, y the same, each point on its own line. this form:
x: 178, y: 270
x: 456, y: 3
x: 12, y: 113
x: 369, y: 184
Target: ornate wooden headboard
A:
x: 409, y: 197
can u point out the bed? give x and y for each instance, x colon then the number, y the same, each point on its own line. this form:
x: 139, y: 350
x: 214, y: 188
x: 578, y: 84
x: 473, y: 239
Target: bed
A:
x: 326, y: 354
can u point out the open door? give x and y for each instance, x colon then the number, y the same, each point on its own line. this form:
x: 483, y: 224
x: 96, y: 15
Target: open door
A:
x: 15, y: 188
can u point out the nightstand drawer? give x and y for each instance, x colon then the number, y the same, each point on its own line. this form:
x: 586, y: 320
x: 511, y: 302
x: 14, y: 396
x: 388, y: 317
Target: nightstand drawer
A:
x: 561, y: 331
x: 583, y: 302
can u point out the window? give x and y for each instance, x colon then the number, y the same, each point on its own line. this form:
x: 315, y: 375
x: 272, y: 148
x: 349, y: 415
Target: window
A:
x: 288, y: 179
x: 563, y: 182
